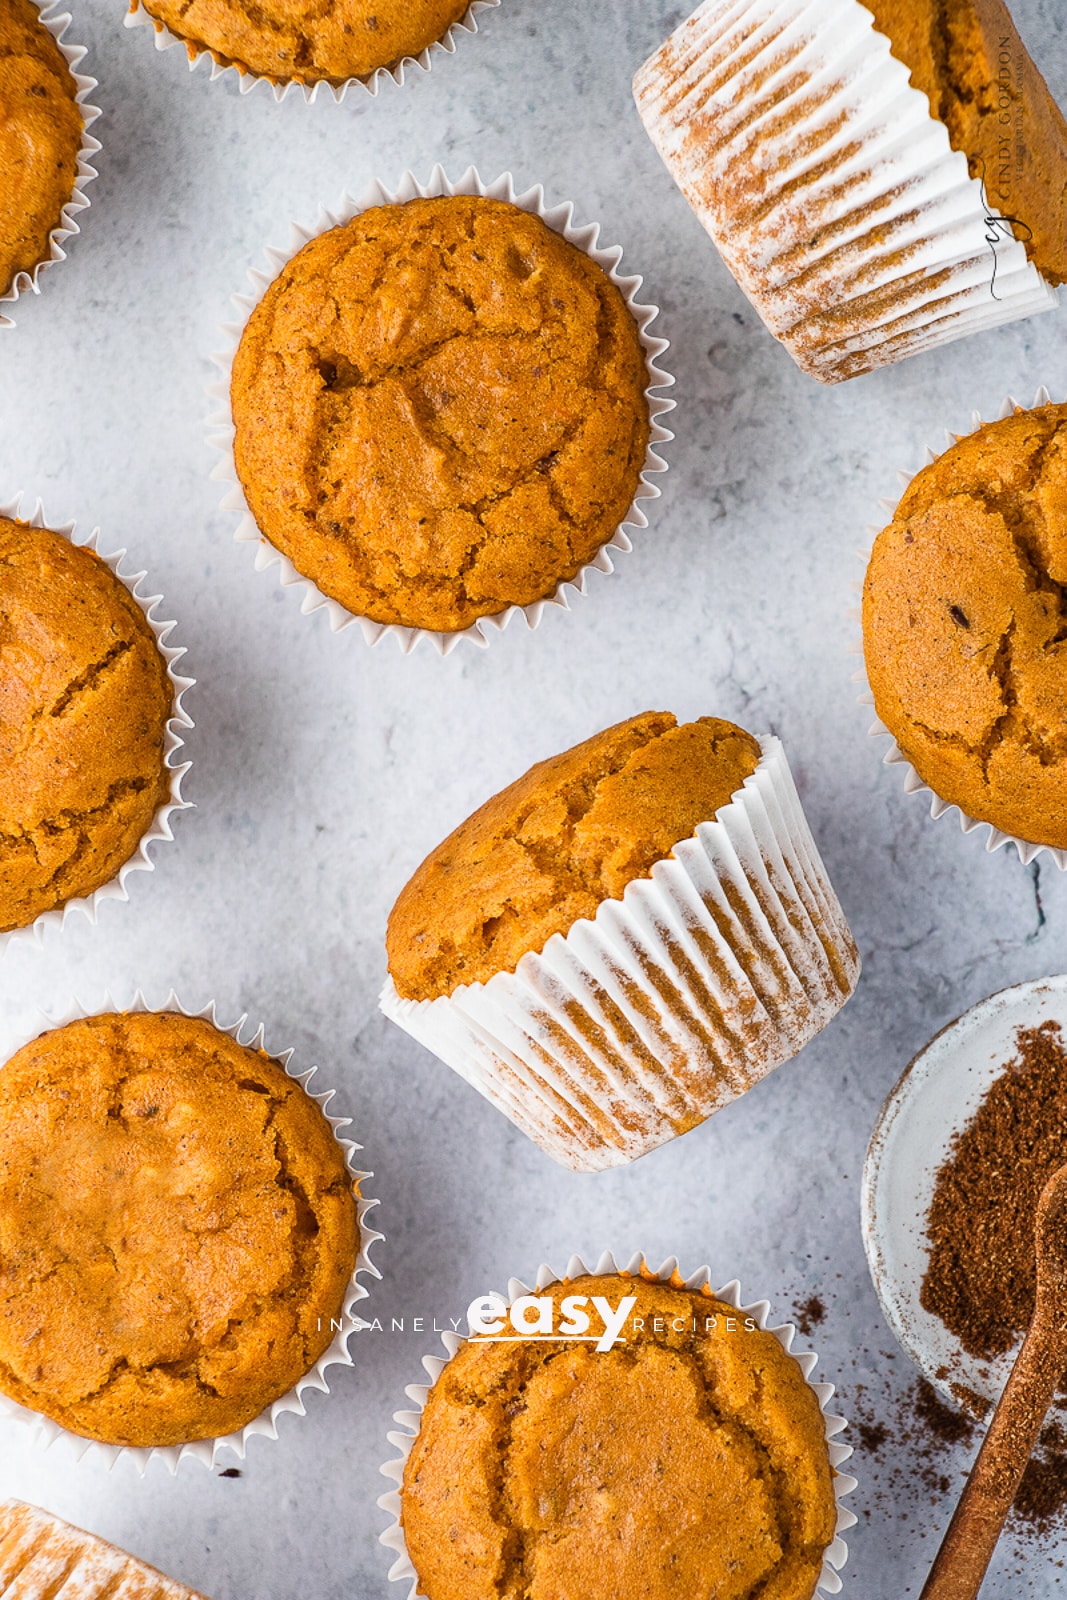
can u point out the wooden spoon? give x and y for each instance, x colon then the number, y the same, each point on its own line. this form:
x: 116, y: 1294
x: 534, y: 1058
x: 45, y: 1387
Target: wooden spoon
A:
x: 971, y: 1536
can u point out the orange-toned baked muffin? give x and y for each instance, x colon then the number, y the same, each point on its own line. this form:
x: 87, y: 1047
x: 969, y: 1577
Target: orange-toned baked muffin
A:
x: 304, y: 39
x: 689, y: 1459
x: 177, y: 1229
x: 84, y: 704
x: 440, y: 411
x: 965, y: 625
x: 41, y: 129
x: 41, y: 1556
x: 570, y: 833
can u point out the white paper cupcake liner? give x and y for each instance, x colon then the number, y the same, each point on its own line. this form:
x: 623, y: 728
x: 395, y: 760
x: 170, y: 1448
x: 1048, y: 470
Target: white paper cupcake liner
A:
x: 247, y: 81
x: 560, y: 219
x: 894, y: 756
x: 402, y: 1570
x: 832, y: 193
x: 337, y: 1354
x: 640, y: 1023
x: 160, y: 828
x: 57, y: 22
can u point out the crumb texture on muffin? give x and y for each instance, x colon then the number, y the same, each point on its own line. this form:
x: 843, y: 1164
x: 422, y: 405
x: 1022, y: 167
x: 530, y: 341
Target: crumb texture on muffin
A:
x: 42, y: 1557
x: 569, y: 834
x: 965, y: 625
x: 308, y: 40
x: 40, y: 136
x: 682, y: 1462
x: 84, y: 704
x: 968, y: 59
x: 177, y: 1229
x: 440, y: 411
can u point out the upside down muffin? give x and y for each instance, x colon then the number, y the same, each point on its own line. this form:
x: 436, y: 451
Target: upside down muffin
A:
x: 42, y: 1556
x: 84, y: 705
x: 688, y: 1462
x: 41, y: 129
x: 965, y: 625
x: 177, y: 1229
x: 439, y: 411
x: 306, y: 40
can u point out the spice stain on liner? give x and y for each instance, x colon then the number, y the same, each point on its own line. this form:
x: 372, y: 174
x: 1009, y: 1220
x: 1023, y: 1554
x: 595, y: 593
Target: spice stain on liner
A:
x: 207, y: 1451
x: 247, y: 81
x: 409, y: 1422
x: 117, y: 888
x: 560, y: 220
x: 637, y: 1025
x: 894, y: 756
x: 832, y: 193
x: 57, y: 21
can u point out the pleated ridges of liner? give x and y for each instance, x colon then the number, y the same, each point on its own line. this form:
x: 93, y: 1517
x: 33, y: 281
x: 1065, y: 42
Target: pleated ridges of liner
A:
x: 833, y: 194
x: 639, y: 1024
x: 42, y: 1558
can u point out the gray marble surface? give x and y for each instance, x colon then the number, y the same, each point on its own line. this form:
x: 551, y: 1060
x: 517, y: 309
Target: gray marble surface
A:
x: 324, y: 770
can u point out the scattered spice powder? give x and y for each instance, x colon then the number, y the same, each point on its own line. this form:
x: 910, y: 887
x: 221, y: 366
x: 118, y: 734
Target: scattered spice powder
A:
x: 810, y: 1315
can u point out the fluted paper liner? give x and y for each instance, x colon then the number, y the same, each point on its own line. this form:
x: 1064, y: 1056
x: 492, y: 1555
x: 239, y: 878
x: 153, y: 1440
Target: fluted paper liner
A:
x: 138, y: 17
x: 402, y: 1570
x: 560, y: 219
x: 831, y: 191
x: 336, y: 1354
x: 57, y: 22
x: 117, y: 888
x: 894, y: 756
x: 640, y: 1023
x: 41, y: 1555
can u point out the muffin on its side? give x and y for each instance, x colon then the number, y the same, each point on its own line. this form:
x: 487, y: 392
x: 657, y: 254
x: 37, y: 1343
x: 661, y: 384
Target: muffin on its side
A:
x: 41, y: 127
x: 38, y: 1551
x: 965, y: 625
x: 84, y: 704
x: 177, y: 1229
x: 440, y: 411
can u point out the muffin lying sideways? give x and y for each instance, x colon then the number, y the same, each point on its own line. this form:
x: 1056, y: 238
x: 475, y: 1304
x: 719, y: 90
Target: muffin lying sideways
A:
x: 40, y: 1556
x: 689, y: 1458
x: 965, y: 625
x: 177, y: 1229
x: 624, y: 939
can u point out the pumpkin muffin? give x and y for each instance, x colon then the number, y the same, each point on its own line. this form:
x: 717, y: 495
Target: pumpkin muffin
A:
x: 84, y: 704
x: 965, y: 625
x: 177, y: 1229
x: 41, y: 128
x: 42, y: 1556
x: 690, y: 1459
x: 439, y: 411
x: 304, y: 40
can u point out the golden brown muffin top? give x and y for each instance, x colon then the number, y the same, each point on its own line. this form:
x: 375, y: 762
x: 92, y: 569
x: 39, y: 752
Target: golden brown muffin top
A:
x: 38, y: 1551
x: 177, y: 1228
x: 569, y: 834
x: 965, y: 625
x: 687, y: 1460
x: 968, y: 59
x: 40, y: 137
x: 84, y: 704
x: 308, y: 40
x: 440, y: 411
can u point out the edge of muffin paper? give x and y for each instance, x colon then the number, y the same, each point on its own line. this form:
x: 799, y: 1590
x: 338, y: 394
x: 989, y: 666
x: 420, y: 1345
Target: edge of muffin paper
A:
x: 247, y: 81
x: 206, y: 1451
x: 836, y: 1554
x: 560, y: 218
x: 179, y: 721
x: 894, y: 757
x: 57, y: 22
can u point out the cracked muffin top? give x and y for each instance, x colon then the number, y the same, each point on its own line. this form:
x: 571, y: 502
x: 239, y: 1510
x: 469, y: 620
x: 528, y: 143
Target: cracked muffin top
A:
x: 40, y: 137
x: 84, y: 705
x: 177, y: 1229
x: 308, y: 40
x: 965, y: 625
x: 688, y: 1459
x: 440, y: 411
x: 967, y: 58
x: 569, y: 834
